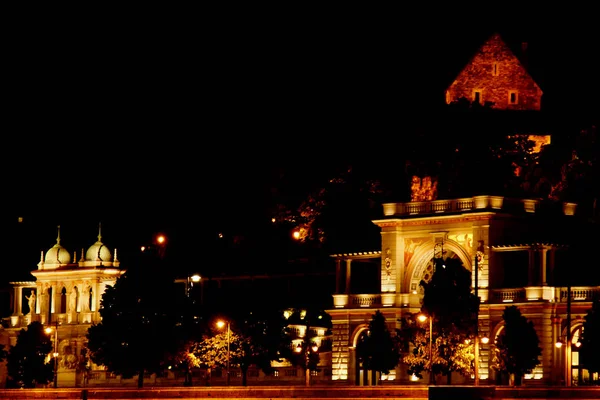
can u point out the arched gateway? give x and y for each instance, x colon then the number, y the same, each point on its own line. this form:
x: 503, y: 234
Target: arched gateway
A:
x: 508, y: 274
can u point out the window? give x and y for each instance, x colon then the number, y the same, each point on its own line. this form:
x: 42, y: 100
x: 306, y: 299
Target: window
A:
x: 513, y: 97
x: 477, y: 98
x: 495, y: 69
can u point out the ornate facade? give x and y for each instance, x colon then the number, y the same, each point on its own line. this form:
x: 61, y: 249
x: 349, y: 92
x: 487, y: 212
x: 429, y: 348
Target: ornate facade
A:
x: 488, y: 227
x: 65, y: 296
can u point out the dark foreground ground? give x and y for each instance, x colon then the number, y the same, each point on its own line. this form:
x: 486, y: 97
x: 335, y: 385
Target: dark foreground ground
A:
x: 314, y: 392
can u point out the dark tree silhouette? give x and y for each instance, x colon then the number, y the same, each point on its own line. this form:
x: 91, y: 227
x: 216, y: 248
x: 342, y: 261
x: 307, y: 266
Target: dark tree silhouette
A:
x: 590, y: 340
x: 379, y: 350
x: 517, y: 348
x: 26, y: 366
x: 454, y: 308
x: 263, y: 334
x: 141, y: 327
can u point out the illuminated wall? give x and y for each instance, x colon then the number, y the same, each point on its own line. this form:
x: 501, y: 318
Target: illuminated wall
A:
x: 496, y: 75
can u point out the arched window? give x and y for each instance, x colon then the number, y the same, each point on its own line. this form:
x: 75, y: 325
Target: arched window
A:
x: 63, y: 300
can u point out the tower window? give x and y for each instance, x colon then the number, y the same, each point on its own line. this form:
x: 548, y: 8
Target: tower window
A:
x: 495, y: 69
x: 513, y: 97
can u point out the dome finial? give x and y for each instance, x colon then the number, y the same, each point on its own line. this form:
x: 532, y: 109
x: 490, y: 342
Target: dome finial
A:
x: 58, y: 237
x: 99, y: 231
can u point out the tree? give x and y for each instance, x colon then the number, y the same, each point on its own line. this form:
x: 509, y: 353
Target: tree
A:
x: 448, y: 300
x: 590, y: 340
x: 517, y: 348
x: 141, y: 327
x: 378, y: 351
x: 211, y: 352
x: 26, y: 364
x: 263, y: 334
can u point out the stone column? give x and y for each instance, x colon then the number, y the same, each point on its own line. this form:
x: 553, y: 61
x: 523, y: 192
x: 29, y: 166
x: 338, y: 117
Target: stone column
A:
x: 338, y: 275
x: 543, y: 266
x: 18, y: 301
x: 348, y: 275
x: 531, y: 279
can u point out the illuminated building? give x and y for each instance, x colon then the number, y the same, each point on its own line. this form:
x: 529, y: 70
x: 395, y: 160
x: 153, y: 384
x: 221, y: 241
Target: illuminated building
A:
x: 68, y: 288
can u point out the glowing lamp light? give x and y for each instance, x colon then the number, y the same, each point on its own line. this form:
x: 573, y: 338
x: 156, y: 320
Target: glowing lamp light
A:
x: 195, y: 278
x: 559, y: 344
x: 296, y: 234
x: 485, y: 340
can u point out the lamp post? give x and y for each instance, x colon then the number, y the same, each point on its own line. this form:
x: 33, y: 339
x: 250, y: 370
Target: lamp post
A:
x: 307, y: 350
x: 220, y: 324
x: 569, y: 342
x: 55, y: 352
x: 478, y: 254
x: 422, y: 318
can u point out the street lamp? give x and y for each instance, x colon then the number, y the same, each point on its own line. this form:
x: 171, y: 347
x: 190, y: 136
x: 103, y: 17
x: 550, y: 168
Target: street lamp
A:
x: 422, y: 318
x: 221, y: 324
x: 48, y: 330
x: 190, y: 282
x: 308, y: 348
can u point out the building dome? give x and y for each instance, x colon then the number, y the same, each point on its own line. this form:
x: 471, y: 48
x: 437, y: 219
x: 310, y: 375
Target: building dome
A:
x: 57, y: 254
x: 98, y: 251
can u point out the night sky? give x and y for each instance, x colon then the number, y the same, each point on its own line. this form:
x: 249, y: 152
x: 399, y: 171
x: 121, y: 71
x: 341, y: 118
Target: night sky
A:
x: 166, y: 120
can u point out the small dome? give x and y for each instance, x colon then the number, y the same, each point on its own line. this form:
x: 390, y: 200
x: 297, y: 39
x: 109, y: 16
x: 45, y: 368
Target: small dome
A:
x: 98, y: 251
x: 57, y: 254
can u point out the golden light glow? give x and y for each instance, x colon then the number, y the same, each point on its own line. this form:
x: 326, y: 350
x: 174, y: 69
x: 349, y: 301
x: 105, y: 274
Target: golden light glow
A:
x: 48, y: 330
x: 422, y: 317
x: 220, y: 324
x: 195, y: 278
x: 539, y: 140
x: 559, y: 344
x: 423, y: 189
x: 485, y: 340
x: 161, y: 239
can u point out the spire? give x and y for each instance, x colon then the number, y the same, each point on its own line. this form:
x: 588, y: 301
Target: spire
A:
x: 100, y: 231
x: 58, y: 237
